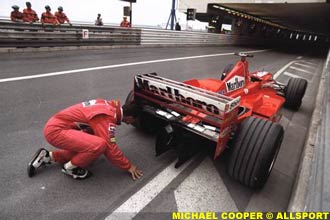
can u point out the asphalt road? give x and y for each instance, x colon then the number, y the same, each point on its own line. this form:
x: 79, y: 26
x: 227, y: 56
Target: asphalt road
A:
x: 201, y: 185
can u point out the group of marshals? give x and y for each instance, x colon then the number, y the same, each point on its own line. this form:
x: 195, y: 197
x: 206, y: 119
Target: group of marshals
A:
x: 29, y: 15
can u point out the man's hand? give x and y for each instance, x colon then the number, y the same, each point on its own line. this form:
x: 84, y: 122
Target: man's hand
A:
x: 135, y: 172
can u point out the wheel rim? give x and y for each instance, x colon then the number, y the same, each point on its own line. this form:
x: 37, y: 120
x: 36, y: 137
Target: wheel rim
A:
x: 274, y: 157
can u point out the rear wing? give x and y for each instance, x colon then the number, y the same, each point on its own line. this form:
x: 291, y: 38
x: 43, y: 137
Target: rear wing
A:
x: 196, y: 110
x: 166, y: 91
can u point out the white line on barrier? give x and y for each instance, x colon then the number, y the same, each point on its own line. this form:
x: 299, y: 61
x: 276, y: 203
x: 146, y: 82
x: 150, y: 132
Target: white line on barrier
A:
x: 118, y: 65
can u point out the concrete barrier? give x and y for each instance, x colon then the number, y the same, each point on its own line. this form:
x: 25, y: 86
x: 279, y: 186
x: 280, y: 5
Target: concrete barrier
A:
x: 312, y: 190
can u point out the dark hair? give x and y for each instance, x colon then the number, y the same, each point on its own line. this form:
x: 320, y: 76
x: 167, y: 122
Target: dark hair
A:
x: 131, y: 110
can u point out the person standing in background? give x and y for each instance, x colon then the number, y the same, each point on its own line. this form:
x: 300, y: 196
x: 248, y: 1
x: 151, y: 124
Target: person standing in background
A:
x: 48, y: 18
x: 61, y: 16
x: 16, y: 15
x: 125, y: 23
x: 98, y: 20
x: 177, y: 26
x: 29, y: 15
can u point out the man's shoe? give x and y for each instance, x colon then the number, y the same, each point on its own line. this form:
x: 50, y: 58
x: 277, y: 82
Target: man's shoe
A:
x: 77, y: 173
x: 40, y: 158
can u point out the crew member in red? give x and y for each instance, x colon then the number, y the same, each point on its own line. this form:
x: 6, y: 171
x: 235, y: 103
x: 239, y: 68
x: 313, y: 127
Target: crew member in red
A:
x: 83, y: 132
x: 16, y: 15
x: 29, y: 15
x: 61, y: 16
x: 125, y: 23
x: 47, y: 17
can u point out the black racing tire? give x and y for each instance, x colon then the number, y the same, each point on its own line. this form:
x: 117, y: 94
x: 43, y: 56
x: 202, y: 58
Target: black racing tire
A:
x: 254, y: 150
x: 145, y: 121
x: 130, y: 98
x: 294, y: 93
x: 226, y: 70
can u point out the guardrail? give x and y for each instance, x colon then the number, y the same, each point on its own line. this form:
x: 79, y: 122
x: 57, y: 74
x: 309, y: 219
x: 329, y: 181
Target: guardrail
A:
x: 21, y: 35
x: 166, y: 37
x: 14, y: 34
x: 35, y: 35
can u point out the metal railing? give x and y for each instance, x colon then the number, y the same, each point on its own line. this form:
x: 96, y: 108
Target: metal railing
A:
x: 21, y: 35
x: 17, y: 35
x: 167, y: 37
x: 35, y: 35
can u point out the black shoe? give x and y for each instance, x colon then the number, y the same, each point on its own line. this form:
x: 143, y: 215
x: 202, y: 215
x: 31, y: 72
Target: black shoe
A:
x: 40, y: 158
x: 77, y: 173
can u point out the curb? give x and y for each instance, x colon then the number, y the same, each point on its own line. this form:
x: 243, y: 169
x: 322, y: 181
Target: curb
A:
x: 300, y: 189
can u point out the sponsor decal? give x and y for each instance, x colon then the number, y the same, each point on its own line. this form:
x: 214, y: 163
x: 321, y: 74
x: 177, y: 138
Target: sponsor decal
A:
x: 235, y: 83
x: 112, y: 132
x: 261, y: 74
x: 234, y: 103
x: 89, y: 103
x: 179, y: 95
x: 222, y: 92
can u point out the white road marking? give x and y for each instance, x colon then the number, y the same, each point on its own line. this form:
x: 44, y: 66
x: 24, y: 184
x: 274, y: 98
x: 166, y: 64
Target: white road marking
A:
x: 211, y: 194
x: 118, y: 65
x: 301, y: 70
x: 299, y: 58
x: 290, y: 74
x: 304, y: 65
x: 307, y: 62
x: 293, y: 75
x: 278, y: 73
x: 129, y: 209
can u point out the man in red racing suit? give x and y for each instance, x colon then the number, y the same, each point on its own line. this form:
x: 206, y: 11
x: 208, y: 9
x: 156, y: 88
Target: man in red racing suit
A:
x: 83, y: 132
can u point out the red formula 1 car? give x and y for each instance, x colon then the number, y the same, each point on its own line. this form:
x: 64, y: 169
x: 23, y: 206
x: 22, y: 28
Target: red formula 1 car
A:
x: 239, y: 111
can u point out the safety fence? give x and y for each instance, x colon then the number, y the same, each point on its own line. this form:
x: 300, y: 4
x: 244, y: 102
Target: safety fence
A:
x: 20, y: 35
x: 166, y: 37
x: 36, y: 35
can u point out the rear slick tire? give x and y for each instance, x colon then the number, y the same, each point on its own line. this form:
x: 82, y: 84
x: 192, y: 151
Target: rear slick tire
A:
x: 144, y: 121
x: 294, y: 93
x: 254, y: 150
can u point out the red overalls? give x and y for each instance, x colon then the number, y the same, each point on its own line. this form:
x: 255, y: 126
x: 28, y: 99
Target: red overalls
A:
x: 49, y: 18
x: 61, y: 17
x: 125, y: 24
x: 64, y: 131
x: 30, y: 15
x: 16, y: 15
